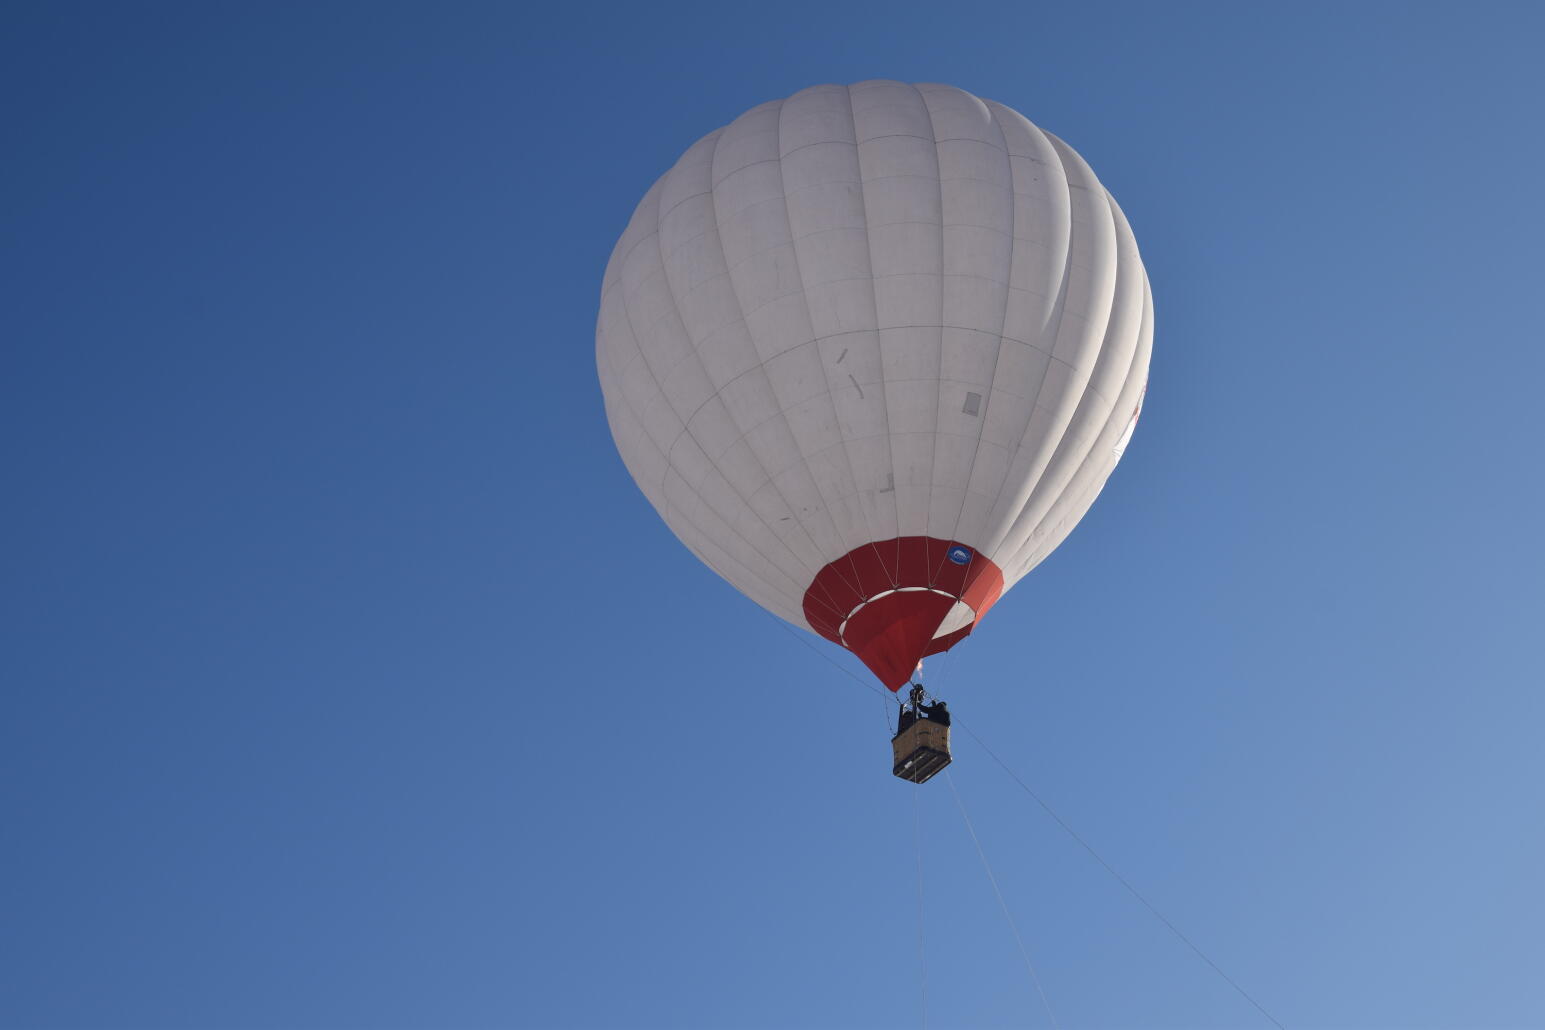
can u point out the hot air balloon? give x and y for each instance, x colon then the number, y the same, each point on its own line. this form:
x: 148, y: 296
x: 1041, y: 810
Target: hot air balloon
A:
x: 871, y: 352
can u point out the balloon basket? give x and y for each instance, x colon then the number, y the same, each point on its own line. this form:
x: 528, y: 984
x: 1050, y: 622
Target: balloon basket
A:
x: 920, y: 751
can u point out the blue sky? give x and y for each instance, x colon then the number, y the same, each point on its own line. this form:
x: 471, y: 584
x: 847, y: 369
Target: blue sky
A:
x: 349, y: 682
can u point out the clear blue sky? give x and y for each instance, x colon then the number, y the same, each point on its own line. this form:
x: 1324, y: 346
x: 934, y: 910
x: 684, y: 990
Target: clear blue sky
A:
x: 350, y: 683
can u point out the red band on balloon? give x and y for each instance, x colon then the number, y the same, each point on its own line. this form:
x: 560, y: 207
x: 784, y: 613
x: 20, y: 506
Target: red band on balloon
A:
x: 886, y: 601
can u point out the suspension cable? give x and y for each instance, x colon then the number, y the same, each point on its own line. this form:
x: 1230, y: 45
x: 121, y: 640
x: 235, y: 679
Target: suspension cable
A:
x: 1120, y: 879
x: 1060, y: 822
x: 885, y: 695
x: 1001, y: 903
x: 922, y: 965
x: 849, y: 673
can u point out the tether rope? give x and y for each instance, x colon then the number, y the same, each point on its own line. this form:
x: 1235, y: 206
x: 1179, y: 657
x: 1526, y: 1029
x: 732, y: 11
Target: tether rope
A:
x: 922, y: 965
x: 1121, y: 879
x: 1060, y: 822
x: 1024, y: 954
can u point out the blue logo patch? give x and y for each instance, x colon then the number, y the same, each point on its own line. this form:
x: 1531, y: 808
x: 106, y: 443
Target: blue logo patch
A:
x: 960, y: 555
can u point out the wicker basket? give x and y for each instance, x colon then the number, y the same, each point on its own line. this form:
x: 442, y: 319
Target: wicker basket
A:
x: 921, y: 750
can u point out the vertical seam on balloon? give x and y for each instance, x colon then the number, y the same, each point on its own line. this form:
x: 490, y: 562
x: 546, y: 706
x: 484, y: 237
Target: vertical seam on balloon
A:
x: 670, y: 467
x: 1057, y: 509
x: 730, y: 283
x: 1086, y: 499
x: 730, y: 559
x: 1033, y: 339
x: 1057, y: 512
x: 869, y: 259
x: 670, y: 293
x: 804, y: 458
x: 1058, y: 307
x: 771, y: 480
x: 933, y: 463
x: 665, y: 457
x: 1051, y: 459
x: 858, y: 497
x: 804, y: 291
x: 998, y: 351
x: 894, y: 572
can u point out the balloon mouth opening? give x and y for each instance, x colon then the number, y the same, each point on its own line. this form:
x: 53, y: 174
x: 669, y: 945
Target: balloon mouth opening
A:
x: 892, y: 633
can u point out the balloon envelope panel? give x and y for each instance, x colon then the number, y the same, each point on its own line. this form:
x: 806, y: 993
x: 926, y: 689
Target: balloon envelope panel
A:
x: 871, y: 352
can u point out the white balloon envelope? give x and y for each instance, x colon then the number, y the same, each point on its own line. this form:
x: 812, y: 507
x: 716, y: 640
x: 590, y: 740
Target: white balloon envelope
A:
x: 871, y: 352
